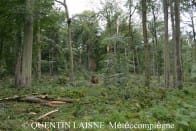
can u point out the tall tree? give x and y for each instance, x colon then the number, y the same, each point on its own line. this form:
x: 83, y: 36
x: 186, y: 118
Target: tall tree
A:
x: 38, y: 45
x: 28, y: 41
x: 42, y: 9
x: 18, y: 59
x: 194, y: 35
x: 166, y: 44
x: 154, y: 30
x: 189, y: 7
x: 132, y: 10
x: 110, y: 12
x: 71, y: 73
x: 85, y: 27
x: 178, y: 67
x: 146, y: 46
x: 173, y: 40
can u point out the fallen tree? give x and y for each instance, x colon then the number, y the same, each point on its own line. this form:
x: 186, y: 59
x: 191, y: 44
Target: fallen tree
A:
x: 44, y: 99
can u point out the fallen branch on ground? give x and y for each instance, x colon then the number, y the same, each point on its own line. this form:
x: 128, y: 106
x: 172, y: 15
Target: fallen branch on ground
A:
x: 39, y: 99
x: 47, y: 114
x: 11, y: 98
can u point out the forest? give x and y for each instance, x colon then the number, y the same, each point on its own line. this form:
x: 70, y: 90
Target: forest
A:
x: 124, y: 65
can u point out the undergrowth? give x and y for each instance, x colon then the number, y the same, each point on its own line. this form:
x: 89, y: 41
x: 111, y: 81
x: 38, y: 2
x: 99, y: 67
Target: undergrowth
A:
x: 132, y: 103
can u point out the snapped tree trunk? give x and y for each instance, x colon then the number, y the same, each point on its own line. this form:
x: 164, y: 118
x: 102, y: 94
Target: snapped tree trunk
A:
x: 71, y: 73
x: 166, y: 45
x: 28, y: 41
x: 146, y: 46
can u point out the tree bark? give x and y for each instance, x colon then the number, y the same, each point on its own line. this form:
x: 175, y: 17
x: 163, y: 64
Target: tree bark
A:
x: 71, y: 74
x: 178, y: 69
x: 137, y: 60
x: 134, y: 63
x: 156, y: 54
x: 38, y: 64
x: 1, y: 50
x: 46, y: 114
x: 51, y: 60
x: 18, y: 59
x: 194, y: 37
x: 28, y: 41
x: 173, y: 41
x: 91, y: 61
x: 146, y: 46
x: 166, y: 45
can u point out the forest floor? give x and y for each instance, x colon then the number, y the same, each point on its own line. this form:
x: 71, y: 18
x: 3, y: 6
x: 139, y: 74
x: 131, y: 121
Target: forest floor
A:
x: 97, y: 103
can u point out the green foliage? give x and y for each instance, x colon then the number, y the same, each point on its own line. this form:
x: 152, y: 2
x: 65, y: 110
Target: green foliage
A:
x: 193, y: 72
x: 2, y: 71
x: 63, y: 79
x: 177, y: 107
x: 97, y: 103
x: 118, y: 96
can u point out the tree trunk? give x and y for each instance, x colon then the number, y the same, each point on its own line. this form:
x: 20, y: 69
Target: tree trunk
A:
x: 89, y: 57
x: 28, y: 41
x: 51, y: 60
x: 194, y: 42
x: 156, y: 56
x: 166, y: 45
x: 173, y: 42
x: 71, y: 74
x: 137, y: 60
x: 194, y: 37
x: 146, y: 46
x: 80, y: 62
x: 178, y: 69
x: 18, y: 59
x: 91, y: 62
x: 1, y: 50
x: 18, y: 70
x: 110, y: 33
x: 1, y: 47
x: 153, y: 61
x: 38, y: 64
x: 134, y: 63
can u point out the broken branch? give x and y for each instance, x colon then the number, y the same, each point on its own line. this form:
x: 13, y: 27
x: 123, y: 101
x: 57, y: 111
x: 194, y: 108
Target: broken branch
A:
x: 47, y: 114
x: 60, y: 2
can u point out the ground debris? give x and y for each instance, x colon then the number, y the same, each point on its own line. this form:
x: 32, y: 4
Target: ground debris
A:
x: 43, y: 99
